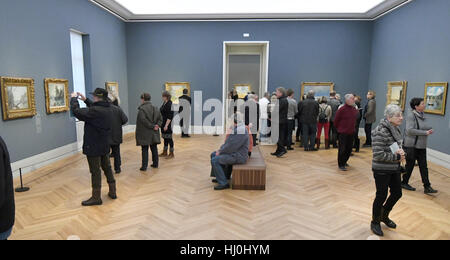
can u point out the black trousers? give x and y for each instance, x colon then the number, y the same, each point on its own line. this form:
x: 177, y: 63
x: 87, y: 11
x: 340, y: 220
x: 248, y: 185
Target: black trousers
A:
x: 291, y: 127
x: 368, y: 130
x: 298, y: 133
x: 383, y: 182
x: 356, y: 141
x: 345, y: 148
x: 333, y: 135
x: 309, y: 135
x: 184, y: 128
x: 115, y: 151
x: 419, y: 155
x: 96, y: 164
x: 282, y: 139
x: 155, y: 156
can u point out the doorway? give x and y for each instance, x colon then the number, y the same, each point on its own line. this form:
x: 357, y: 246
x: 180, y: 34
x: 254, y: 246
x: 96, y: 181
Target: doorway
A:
x: 244, y: 63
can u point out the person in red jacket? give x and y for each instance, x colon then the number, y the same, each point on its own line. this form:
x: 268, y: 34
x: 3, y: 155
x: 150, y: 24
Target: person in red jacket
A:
x: 345, y: 122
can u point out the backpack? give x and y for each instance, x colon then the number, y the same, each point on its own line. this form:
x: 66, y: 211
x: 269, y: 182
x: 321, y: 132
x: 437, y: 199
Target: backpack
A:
x: 323, y: 118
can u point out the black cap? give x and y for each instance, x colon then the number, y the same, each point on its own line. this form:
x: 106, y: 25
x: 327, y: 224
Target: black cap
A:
x: 100, y: 92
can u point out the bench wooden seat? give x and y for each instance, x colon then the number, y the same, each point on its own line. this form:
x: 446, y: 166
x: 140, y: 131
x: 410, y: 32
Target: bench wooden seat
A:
x: 252, y: 175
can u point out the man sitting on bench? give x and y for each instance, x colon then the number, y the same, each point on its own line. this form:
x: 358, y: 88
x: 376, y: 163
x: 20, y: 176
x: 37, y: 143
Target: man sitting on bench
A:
x: 233, y: 151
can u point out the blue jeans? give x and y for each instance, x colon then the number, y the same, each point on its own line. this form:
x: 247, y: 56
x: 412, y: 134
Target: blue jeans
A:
x: 5, y: 235
x: 217, y: 169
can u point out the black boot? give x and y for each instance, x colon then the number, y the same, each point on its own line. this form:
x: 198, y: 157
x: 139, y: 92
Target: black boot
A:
x: 429, y: 190
x: 112, y: 191
x: 385, y: 219
x: 95, y: 200
x: 376, y: 227
x: 357, y: 145
x: 406, y: 186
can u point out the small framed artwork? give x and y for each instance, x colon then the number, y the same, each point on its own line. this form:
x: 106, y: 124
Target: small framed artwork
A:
x: 17, y: 98
x: 435, y: 97
x: 176, y: 90
x: 396, y: 93
x: 113, y: 89
x: 322, y: 89
x: 242, y: 90
x: 56, y: 95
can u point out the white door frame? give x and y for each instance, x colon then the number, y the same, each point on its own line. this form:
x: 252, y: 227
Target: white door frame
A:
x: 264, y: 82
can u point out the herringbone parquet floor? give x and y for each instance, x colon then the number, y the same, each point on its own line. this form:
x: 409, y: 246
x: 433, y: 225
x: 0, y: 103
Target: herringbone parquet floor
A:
x: 306, y: 198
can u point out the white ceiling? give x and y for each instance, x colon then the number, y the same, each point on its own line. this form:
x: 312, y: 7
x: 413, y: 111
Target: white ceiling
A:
x: 148, y: 10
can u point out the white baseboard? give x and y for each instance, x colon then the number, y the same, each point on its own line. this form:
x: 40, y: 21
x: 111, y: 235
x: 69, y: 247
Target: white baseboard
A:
x: 439, y: 158
x: 38, y: 161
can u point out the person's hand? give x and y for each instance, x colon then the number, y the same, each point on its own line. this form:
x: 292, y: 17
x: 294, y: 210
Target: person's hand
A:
x: 430, y: 132
x: 82, y: 97
x: 250, y: 125
x: 402, y: 154
x: 156, y: 127
x: 74, y: 95
x: 217, y: 153
x: 166, y: 128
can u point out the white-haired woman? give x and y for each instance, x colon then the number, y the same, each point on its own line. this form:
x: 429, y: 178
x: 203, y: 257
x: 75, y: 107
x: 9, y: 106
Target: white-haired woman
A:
x: 387, y: 156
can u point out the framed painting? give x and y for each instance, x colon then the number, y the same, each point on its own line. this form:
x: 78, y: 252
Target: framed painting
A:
x: 396, y: 93
x: 113, y: 89
x: 17, y: 98
x: 435, y: 97
x: 242, y: 90
x: 56, y: 95
x: 322, y: 89
x: 176, y: 90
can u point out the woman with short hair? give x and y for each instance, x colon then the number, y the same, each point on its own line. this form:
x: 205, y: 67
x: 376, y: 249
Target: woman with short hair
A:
x: 166, y: 131
x: 370, y: 116
x: 387, y: 155
x: 416, y: 135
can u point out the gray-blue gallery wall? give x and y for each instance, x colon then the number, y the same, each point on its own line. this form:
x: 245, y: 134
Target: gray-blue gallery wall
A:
x: 35, y: 43
x: 337, y: 51
x: 413, y: 44
x: 244, y: 69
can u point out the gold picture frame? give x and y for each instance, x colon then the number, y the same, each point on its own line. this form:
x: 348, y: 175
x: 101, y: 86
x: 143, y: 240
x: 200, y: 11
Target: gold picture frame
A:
x: 18, y: 99
x: 435, y: 97
x: 56, y: 95
x: 322, y: 89
x: 396, y: 93
x: 176, y: 90
x: 242, y: 90
x: 113, y: 89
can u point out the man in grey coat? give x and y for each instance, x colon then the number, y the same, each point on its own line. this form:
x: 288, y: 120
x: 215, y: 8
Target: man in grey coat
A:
x: 370, y: 116
x: 233, y: 151
x: 148, y: 123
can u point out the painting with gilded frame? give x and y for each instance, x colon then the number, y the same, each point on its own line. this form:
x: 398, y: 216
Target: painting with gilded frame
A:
x: 17, y: 98
x: 322, y: 89
x: 396, y: 93
x: 242, y: 90
x: 113, y: 89
x: 435, y: 97
x: 176, y: 90
x: 56, y: 95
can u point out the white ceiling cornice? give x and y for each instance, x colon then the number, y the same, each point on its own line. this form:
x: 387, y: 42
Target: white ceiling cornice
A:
x: 127, y: 16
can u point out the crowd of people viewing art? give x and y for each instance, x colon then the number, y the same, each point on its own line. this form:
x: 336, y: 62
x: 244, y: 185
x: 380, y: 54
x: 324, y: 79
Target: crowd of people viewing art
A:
x: 339, y: 120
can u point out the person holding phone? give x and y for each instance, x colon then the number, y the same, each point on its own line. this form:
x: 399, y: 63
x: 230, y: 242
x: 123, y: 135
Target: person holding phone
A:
x: 387, y: 156
x: 416, y: 135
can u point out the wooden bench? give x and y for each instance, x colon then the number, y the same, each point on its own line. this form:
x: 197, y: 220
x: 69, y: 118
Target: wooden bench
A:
x: 252, y: 175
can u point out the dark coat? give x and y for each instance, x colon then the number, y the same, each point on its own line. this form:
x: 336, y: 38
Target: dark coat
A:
x: 188, y: 99
x: 97, y: 126
x: 167, y: 114
x: 335, y: 104
x: 370, y: 112
x: 7, y: 206
x: 284, y: 107
x: 248, y: 120
x: 235, y: 148
x: 118, y: 120
x: 148, y: 117
x: 309, y: 111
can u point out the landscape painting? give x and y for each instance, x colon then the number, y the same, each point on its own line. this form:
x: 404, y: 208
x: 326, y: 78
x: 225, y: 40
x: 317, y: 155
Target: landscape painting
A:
x: 17, y: 98
x: 176, y: 90
x: 242, y: 90
x: 321, y: 89
x: 435, y: 98
x: 396, y: 93
x: 56, y: 95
